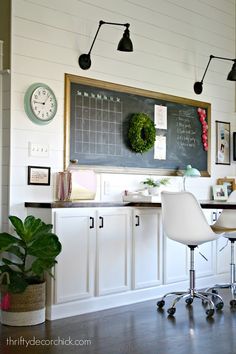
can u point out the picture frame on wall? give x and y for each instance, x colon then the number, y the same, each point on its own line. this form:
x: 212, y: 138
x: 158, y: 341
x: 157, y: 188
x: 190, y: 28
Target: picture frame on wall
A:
x: 234, y: 146
x: 222, y: 143
x: 220, y: 192
x: 229, y: 183
x: 39, y: 175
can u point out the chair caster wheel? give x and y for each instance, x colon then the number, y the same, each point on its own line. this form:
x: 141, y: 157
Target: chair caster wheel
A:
x: 232, y: 303
x: 189, y: 301
x: 171, y: 311
x: 210, y: 312
x: 220, y: 305
x: 160, y: 304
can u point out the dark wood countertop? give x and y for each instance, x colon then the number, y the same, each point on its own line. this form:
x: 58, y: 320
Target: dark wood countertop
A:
x: 80, y: 204
x: 205, y: 204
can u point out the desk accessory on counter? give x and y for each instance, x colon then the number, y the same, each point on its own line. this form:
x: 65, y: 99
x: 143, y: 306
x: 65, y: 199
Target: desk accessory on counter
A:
x: 140, y: 197
x: 76, y: 184
x: 64, y: 185
x: 83, y: 184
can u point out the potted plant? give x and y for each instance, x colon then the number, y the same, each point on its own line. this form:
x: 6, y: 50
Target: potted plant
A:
x: 25, y: 259
x: 154, y: 185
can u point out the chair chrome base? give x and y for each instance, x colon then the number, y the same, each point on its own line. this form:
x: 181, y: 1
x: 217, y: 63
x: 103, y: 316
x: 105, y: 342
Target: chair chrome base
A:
x: 189, y: 296
x: 232, y: 284
x: 192, y: 293
x: 232, y: 288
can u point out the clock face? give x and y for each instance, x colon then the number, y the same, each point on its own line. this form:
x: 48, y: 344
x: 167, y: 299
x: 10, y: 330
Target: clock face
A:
x: 43, y: 103
x: 40, y: 103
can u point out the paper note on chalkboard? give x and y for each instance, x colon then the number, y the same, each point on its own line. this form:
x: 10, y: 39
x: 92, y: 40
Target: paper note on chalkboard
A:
x: 160, y: 117
x: 160, y: 148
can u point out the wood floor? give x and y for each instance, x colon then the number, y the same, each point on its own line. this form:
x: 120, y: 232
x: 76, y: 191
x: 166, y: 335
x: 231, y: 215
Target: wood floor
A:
x: 138, y: 328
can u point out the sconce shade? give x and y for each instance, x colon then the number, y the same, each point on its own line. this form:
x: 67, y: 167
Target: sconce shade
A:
x: 125, y: 44
x: 232, y: 73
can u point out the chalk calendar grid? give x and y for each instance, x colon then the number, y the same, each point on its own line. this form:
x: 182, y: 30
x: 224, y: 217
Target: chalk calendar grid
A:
x: 98, y: 125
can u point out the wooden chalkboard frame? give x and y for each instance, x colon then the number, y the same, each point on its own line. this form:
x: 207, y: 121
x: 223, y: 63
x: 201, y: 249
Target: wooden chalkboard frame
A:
x: 70, y: 79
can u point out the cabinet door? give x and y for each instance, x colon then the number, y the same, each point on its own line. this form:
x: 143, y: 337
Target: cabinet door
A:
x: 176, y: 261
x: 221, y: 256
x: 146, y: 248
x: 113, y: 250
x: 74, y: 272
x: 223, y: 253
x: 204, y: 264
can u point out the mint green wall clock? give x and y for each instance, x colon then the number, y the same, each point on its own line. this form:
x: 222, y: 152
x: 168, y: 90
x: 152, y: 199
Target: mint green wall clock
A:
x: 40, y: 103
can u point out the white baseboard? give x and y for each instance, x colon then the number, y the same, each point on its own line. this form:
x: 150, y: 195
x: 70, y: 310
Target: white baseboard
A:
x: 92, y: 304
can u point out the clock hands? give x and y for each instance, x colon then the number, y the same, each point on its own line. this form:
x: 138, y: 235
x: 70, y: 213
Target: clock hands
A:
x: 46, y: 99
x: 39, y: 102
x: 43, y: 103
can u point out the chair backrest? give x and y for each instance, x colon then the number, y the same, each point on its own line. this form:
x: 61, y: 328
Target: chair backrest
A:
x: 227, y: 218
x: 183, y: 219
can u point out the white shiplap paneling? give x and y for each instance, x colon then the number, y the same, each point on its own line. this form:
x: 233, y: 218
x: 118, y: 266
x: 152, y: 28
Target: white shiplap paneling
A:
x: 172, y: 43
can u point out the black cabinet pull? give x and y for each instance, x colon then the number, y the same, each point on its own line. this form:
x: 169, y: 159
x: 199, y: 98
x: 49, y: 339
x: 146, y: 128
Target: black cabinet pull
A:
x: 92, y: 222
x: 137, y: 218
x: 101, y: 224
x: 214, y: 216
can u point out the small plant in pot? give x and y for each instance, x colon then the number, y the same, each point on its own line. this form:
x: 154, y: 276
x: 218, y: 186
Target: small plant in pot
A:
x: 25, y: 260
x: 154, y: 185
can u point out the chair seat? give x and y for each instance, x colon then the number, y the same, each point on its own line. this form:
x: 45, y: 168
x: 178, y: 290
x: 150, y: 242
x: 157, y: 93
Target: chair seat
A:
x: 228, y: 232
x: 184, y: 222
x: 222, y: 229
x: 227, y: 223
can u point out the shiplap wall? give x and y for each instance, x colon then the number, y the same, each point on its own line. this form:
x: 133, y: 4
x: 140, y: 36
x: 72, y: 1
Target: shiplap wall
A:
x: 1, y: 111
x: 6, y: 88
x: 172, y: 43
x: 5, y: 141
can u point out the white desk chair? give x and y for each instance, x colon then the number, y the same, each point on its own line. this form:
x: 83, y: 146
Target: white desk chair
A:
x: 184, y: 222
x: 227, y: 223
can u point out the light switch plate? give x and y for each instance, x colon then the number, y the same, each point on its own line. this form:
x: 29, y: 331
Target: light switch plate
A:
x: 41, y: 150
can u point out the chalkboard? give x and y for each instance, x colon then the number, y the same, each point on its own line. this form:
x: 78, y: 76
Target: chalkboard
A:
x: 97, y: 116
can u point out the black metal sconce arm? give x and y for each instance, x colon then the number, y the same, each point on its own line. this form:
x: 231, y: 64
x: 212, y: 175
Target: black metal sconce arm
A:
x: 85, y: 59
x: 198, y: 85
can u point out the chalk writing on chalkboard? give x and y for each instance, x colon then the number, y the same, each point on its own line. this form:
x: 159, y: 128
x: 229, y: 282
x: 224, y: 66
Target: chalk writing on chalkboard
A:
x: 97, y: 121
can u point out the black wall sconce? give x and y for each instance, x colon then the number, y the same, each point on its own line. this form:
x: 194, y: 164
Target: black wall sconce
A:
x: 198, y: 86
x: 125, y: 44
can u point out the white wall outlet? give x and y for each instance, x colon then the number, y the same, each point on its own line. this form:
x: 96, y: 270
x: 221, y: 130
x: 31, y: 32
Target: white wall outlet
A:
x: 41, y: 150
x: 107, y: 187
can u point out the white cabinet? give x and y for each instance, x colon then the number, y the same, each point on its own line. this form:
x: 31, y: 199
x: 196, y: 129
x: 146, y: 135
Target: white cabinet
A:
x: 220, y: 255
x: 113, y: 256
x: 176, y: 261
x: 75, y: 270
x: 147, y: 248
x: 223, y: 256
x: 204, y: 264
x: 177, y: 257
x: 96, y: 253
x: 113, y: 250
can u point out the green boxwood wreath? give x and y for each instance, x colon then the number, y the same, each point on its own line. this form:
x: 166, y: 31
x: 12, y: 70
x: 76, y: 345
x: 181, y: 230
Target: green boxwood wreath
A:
x: 141, y: 133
